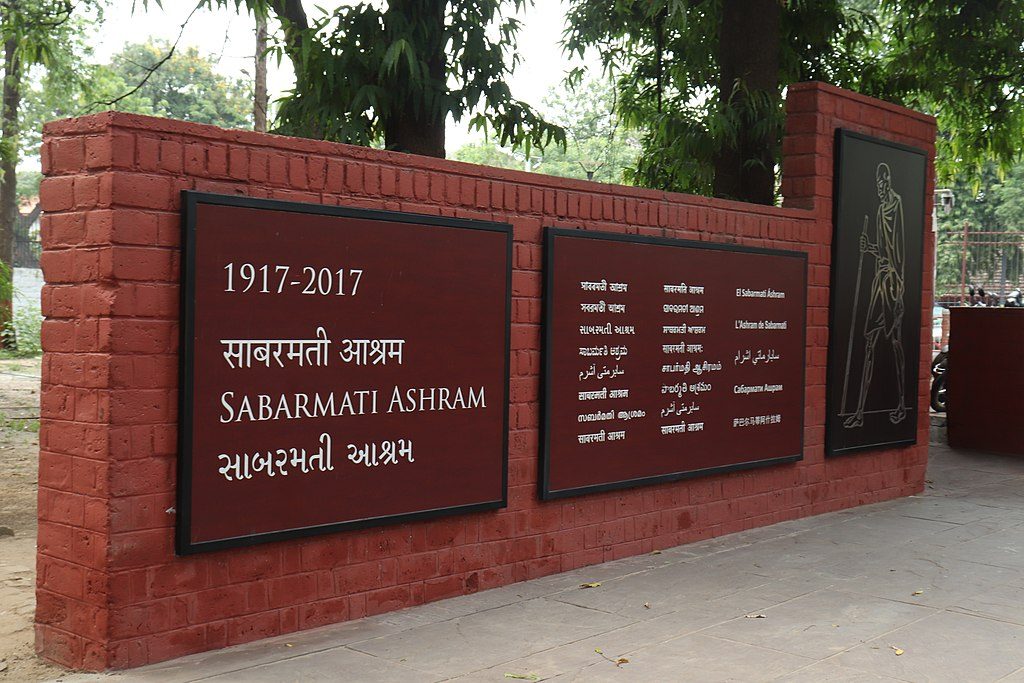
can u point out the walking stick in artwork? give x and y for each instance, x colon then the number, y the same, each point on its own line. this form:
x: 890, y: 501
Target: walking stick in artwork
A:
x: 853, y: 320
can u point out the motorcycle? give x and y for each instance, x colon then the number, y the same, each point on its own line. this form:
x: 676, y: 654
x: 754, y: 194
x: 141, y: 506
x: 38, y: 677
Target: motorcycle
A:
x: 938, y: 396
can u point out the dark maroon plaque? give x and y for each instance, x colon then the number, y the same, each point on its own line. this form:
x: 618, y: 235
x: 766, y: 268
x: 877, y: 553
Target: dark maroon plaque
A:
x: 667, y: 359
x: 340, y: 368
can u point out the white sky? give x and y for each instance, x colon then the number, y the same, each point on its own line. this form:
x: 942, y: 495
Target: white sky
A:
x: 231, y: 35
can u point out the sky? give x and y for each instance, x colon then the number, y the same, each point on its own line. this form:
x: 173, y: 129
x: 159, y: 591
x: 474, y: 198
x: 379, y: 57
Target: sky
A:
x: 230, y: 35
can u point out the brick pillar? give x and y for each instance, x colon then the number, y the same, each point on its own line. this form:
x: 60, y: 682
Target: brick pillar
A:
x: 814, y: 111
x: 107, y: 428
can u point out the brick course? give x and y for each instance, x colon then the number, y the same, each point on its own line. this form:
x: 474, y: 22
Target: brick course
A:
x: 111, y: 593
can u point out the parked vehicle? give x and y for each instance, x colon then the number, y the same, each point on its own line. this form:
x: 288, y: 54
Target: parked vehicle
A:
x: 937, y: 312
x: 938, y: 397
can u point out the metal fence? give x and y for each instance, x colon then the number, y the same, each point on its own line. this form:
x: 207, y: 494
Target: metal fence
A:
x: 26, y: 253
x: 978, y: 266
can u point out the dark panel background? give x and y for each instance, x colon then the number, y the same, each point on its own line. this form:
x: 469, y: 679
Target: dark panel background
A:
x: 443, y: 287
x: 987, y: 405
x: 647, y: 455
x: 857, y: 159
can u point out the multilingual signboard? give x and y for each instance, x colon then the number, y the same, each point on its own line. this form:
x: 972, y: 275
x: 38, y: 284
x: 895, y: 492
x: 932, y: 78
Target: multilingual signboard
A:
x: 340, y: 368
x: 667, y: 359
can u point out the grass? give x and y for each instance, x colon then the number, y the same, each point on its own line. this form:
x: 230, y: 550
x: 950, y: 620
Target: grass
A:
x: 23, y: 331
x: 19, y: 424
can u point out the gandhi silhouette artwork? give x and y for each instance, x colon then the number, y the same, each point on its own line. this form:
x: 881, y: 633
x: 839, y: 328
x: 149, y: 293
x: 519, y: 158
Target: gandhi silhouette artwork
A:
x: 885, y: 305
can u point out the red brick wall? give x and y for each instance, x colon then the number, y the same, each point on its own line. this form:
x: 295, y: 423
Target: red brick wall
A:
x: 111, y: 593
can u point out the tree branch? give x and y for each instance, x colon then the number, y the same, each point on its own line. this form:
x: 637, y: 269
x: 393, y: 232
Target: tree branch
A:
x: 150, y: 70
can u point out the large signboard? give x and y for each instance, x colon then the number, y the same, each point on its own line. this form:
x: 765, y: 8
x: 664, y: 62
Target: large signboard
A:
x: 666, y: 359
x: 875, y: 330
x: 340, y: 368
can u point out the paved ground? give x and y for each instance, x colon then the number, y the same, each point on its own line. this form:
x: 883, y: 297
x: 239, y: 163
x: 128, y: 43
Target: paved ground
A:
x: 926, y: 588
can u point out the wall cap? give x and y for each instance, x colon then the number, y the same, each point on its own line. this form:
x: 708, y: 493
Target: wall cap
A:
x: 109, y: 121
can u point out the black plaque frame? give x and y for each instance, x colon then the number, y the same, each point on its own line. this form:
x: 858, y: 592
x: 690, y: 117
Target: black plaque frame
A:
x: 189, y: 203
x: 837, y: 348
x: 546, y: 492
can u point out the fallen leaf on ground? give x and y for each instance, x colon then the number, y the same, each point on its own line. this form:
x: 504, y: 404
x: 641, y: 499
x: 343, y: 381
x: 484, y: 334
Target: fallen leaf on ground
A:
x: 647, y: 605
x: 617, y: 662
x: 756, y: 616
x: 897, y: 650
x: 523, y: 677
x: 655, y: 552
x: 918, y: 593
x: 592, y: 584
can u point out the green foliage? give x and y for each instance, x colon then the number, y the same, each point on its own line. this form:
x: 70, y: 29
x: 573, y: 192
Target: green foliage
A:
x: 22, y: 333
x: 28, y: 184
x: 490, y: 154
x: 664, y: 54
x: 1009, y: 193
x: 392, y: 71
x: 6, y: 282
x: 962, y: 60
x: 47, y: 35
x: 598, y: 146
x: 185, y: 87
x: 987, y: 203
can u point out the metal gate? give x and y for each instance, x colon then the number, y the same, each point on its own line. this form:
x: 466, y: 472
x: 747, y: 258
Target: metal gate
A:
x: 978, y: 267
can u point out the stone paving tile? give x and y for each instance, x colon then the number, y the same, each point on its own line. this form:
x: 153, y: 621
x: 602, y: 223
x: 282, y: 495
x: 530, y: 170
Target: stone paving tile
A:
x: 791, y: 557
x: 1002, y: 548
x: 578, y: 655
x: 488, y: 638
x: 957, y: 481
x: 937, y: 509
x: 1005, y: 603
x: 660, y: 591
x: 944, y: 647
x: 834, y: 673
x: 938, y: 542
x: 867, y: 532
x: 333, y: 665
x: 921, y: 580
x: 1016, y: 677
x: 821, y: 624
x: 694, y: 658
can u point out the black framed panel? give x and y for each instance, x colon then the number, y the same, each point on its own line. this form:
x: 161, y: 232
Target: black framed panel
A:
x: 666, y: 359
x: 875, y: 312
x: 333, y: 361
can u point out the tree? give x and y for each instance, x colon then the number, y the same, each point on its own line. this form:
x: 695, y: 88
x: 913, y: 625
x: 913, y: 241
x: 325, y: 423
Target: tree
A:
x: 259, y: 97
x: 185, y: 86
x: 489, y: 154
x: 990, y: 207
x: 962, y: 60
x: 28, y: 184
x: 597, y: 147
x: 703, y: 79
x: 364, y: 74
x: 34, y: 33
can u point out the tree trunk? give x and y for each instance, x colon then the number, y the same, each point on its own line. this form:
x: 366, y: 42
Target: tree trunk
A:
x: 8, y: 174
x: 259, y: 108
x: 748, y: 55
x: 409, y: 130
